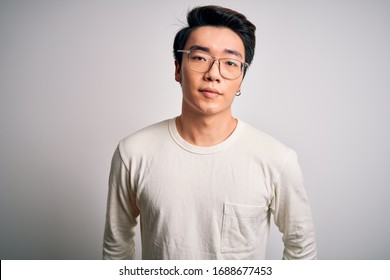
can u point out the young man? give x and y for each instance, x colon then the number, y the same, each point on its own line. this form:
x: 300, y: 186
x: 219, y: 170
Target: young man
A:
x: 205, y: 184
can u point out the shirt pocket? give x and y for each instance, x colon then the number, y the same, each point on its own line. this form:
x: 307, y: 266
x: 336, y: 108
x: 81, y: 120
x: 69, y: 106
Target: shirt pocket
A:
x: 241, y: 228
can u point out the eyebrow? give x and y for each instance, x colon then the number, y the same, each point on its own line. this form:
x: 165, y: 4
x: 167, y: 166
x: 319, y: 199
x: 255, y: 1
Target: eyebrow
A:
x: 206, y: 49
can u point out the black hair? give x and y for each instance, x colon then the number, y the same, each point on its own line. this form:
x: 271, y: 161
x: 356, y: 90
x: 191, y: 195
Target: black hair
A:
x: 220, y: 17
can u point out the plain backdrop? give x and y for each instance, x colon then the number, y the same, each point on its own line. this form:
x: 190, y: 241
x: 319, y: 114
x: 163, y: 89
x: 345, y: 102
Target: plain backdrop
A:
x: 78, y: 76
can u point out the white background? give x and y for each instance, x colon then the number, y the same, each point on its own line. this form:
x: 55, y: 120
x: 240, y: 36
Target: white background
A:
x: 77, y: 76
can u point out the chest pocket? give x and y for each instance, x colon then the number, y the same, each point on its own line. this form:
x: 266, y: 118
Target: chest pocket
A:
x: 242, y: 227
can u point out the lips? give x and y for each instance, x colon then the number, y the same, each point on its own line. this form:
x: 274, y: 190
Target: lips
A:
x: 210, y: 92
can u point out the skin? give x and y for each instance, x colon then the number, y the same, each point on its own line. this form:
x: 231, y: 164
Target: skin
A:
x: 206, y: 117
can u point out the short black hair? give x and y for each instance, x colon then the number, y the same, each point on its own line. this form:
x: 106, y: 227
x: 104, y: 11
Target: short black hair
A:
x: 220, y: 17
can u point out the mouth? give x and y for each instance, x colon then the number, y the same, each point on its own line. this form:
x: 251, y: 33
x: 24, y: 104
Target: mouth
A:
x: 210, y: 92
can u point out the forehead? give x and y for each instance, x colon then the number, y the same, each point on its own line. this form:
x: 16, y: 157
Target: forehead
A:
x: 216, y: 39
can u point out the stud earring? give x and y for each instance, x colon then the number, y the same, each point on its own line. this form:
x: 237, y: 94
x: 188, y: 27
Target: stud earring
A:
x: 238, y: 93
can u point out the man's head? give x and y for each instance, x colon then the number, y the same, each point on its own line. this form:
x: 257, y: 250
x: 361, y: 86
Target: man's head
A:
x: 211, y: 56
x: 219, y: 17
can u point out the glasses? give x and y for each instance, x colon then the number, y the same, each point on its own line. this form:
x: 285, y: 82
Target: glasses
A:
x: 202, y: 62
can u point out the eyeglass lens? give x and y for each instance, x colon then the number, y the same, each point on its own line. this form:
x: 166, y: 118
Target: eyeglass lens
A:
x: 202, y: 62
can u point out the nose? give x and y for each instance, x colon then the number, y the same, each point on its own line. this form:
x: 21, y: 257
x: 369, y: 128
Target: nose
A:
x: 213, y: 74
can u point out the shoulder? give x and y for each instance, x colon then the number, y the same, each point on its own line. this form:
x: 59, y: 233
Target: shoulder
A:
x: 264, y: 146
x: 144, y: 140
x: 262, y: 140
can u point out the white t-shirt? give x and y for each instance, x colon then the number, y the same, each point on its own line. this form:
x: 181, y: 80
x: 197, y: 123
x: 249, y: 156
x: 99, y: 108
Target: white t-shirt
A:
x: 205, y: 202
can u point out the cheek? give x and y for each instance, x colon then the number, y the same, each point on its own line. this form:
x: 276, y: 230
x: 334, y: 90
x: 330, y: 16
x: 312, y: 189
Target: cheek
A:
x: 190, y: 79
x: 235, y: 87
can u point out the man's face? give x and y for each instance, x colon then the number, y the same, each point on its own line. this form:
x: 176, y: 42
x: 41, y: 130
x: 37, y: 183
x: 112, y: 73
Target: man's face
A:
x: 210, y: 93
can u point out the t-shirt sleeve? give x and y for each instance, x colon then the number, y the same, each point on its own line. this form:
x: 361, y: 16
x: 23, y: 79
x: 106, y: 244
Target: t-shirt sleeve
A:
x: 122, y: 213
x: 292, y: 213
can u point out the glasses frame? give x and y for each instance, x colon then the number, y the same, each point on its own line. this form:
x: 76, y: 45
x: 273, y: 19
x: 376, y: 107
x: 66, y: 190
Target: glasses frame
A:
x: 244, y: 65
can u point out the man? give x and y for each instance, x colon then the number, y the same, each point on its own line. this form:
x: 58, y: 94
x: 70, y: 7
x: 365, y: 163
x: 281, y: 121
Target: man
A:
x: 205, y: 184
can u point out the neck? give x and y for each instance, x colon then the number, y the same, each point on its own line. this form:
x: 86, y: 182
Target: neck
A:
x: 205, y: 131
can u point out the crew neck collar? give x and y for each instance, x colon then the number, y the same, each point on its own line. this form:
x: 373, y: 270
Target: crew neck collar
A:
x: 198, y: 149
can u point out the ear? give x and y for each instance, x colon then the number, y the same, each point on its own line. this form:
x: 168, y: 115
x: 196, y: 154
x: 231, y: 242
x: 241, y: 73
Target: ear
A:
x: 177, y: 71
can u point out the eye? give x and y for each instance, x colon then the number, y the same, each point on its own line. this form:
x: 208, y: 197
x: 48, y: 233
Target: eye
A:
x: 232, y: 63
x: 198, y: 58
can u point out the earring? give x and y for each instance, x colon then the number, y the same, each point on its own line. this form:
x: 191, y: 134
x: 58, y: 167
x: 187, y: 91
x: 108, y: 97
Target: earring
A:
x: 238, y: 93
